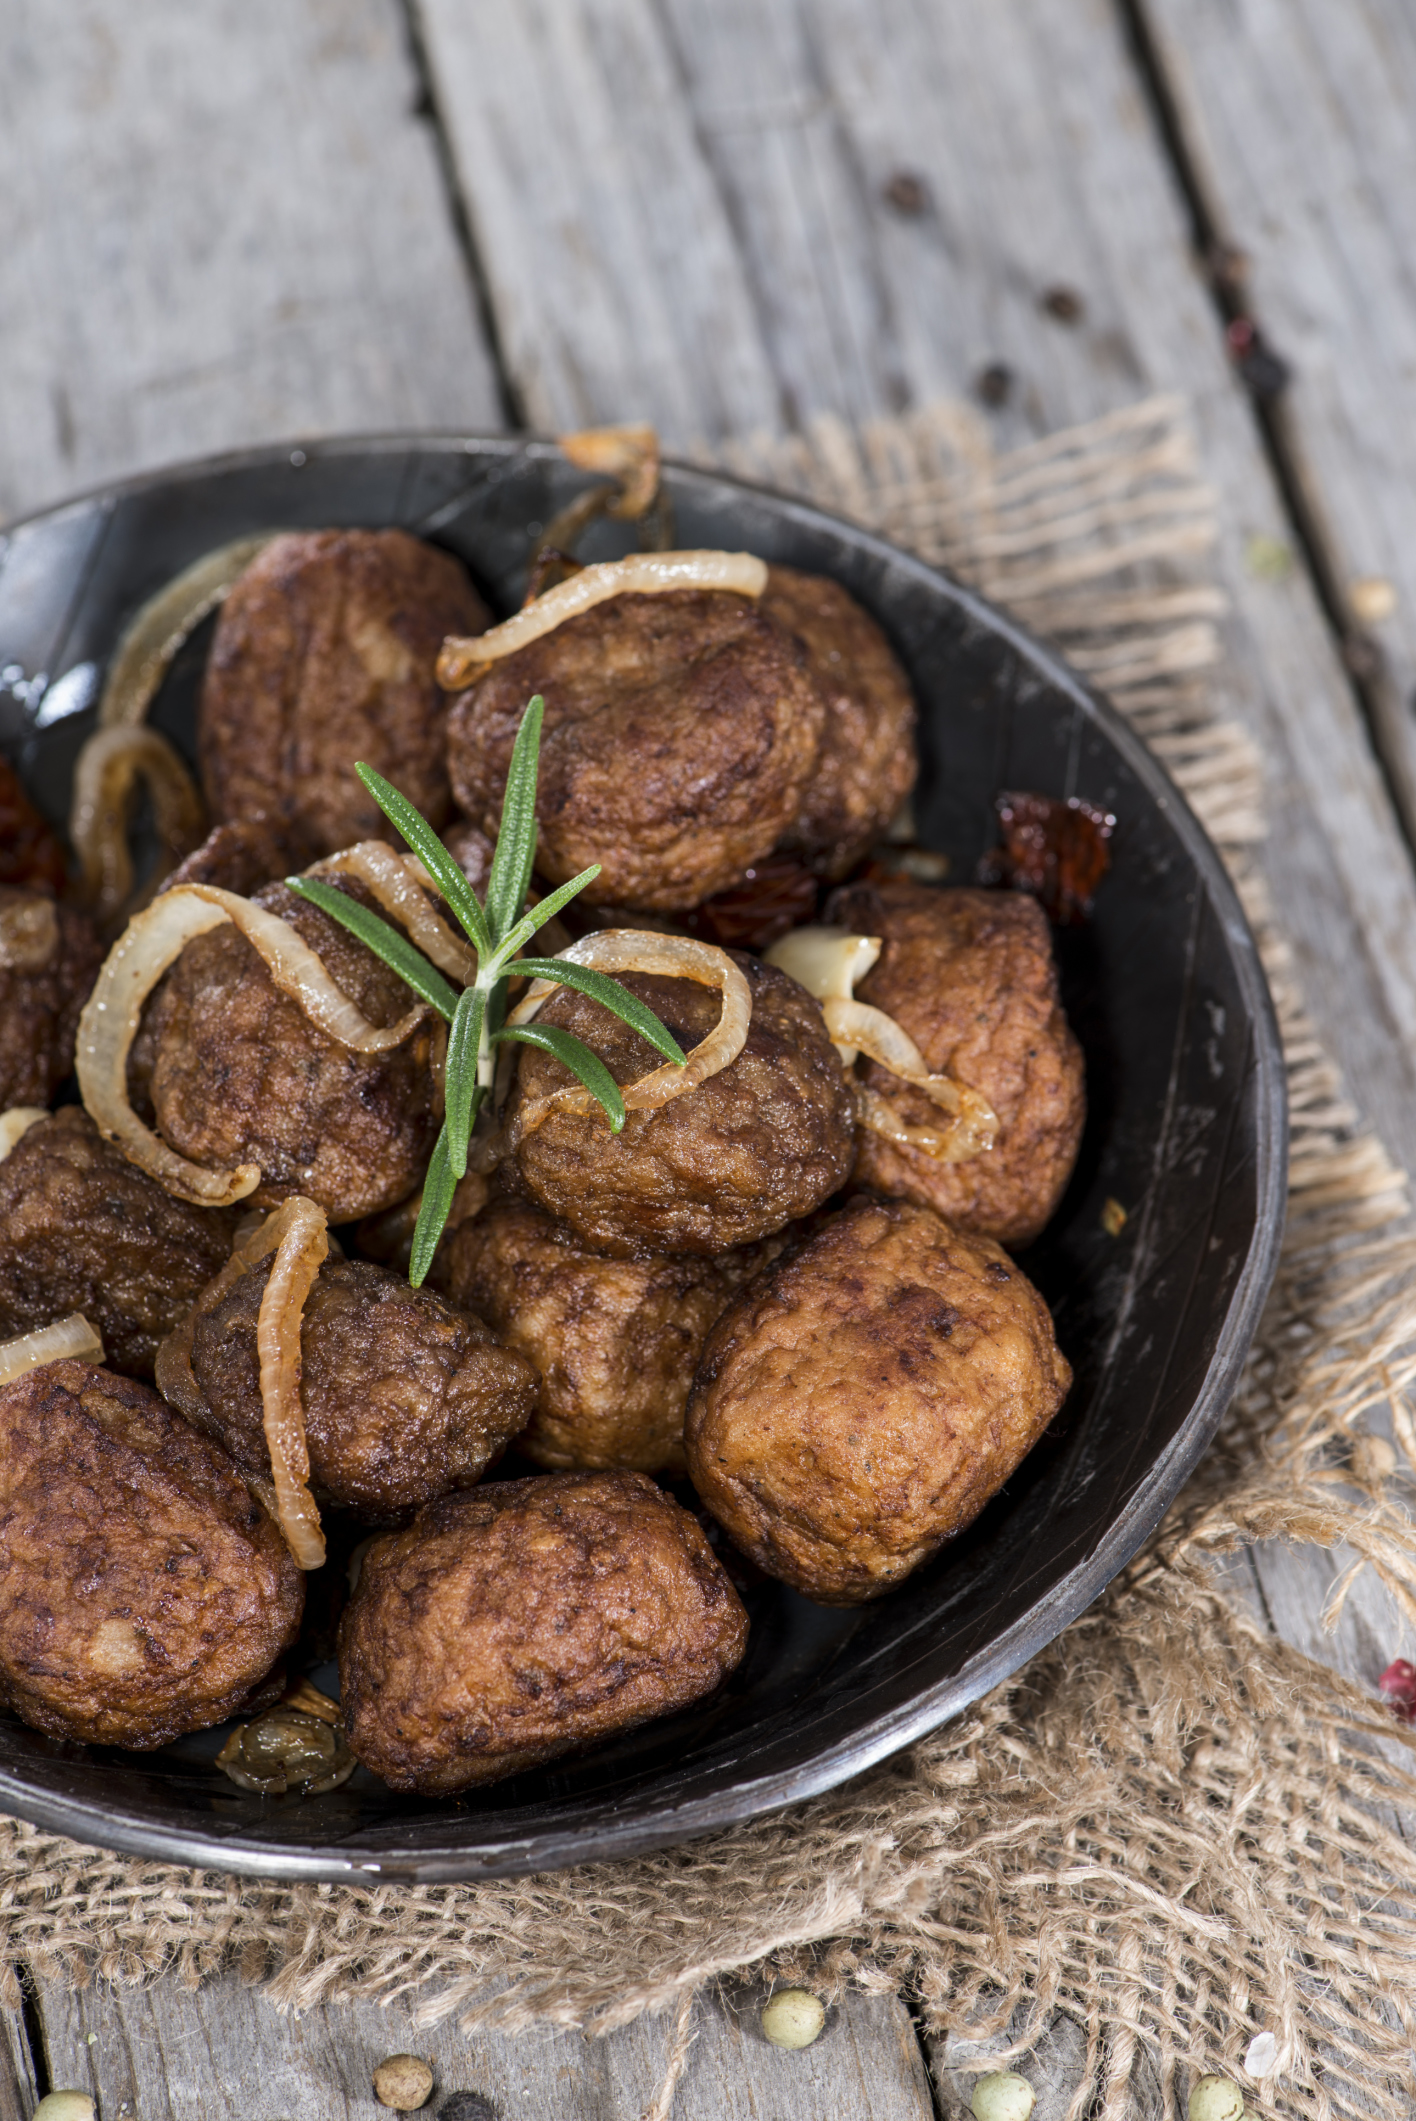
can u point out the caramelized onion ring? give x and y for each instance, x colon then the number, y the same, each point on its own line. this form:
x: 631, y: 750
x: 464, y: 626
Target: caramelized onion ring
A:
x: 152, y: 941
x: 110, y: 766
x: 629, y: 455
x: 871, y: 1031
x: 397, y: 882
x: 16, y: 1123
x: 29, y: 933
x: 642, y: 574
x: 299, y: 1233
x: 68, y: 1340
x: 672, y: 957
x: 151, y: 640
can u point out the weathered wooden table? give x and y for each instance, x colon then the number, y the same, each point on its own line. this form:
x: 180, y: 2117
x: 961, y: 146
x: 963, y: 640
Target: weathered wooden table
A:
x: 245, y: 219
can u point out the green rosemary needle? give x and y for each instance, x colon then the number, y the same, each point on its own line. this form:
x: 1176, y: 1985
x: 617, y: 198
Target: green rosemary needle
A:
x: 476, y: 1015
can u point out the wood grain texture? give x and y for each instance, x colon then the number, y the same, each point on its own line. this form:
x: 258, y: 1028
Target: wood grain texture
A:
x: 168, y: 2054
x: 223, y: 223
x: 764, y: 136
x: 1297, y: 120
x: 17, y: 2086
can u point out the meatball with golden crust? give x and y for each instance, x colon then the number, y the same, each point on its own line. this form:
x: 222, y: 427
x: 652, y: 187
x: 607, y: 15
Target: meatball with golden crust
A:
x: 49, y: 959
x: 970, y: 975
x: 143, y: 1590
x: 242, y: 857
x: 615, y: 1341
x: 405, y: 1397
x: 235, y: 1072
x: 866, y: 765
x: 764, y: 1141
x: 859, y: 1402
x: 523, y: 1619
x: 680, y: 732
x: 325, y: 653
x: 82, y: 1229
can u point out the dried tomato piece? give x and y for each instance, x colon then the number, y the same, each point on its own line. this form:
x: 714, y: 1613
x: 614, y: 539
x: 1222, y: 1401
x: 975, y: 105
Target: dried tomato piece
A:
x: 1397, y: 1687
x: 775, y: 894
x: 1056, y: 850
x: 30, y: 852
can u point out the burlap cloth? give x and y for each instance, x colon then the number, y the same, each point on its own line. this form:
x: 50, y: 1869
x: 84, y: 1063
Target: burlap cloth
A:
x: 1171, y: 1828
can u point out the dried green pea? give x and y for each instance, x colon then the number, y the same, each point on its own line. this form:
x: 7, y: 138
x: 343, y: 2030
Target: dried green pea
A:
x: 1002, y: 2096
x: 1216, y: 2099
x: 793, y: 2018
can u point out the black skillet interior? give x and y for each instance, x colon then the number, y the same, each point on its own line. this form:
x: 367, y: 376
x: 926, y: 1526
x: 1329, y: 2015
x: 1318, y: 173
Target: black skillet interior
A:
x: 1186, y: 1133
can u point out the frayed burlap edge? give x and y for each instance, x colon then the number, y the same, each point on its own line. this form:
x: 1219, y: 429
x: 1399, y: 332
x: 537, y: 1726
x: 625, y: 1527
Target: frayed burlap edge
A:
x: 1171, y: 1828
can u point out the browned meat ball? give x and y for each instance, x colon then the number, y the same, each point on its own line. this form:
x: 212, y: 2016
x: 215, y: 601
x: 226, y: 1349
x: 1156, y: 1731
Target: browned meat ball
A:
x: 49, y: 959
x: 523, y: 1619
x: 765, y: 1140
x: 405, y: 1398
x: 680, y: 732
x: 971, y: 977
x: 866, y: 765
x: 860, y: 1402
x: 244, y: 856
x: 615, y: 1341
x: 235, y: 1071
x: 143, y: 1591
x: 324, y: 654
x: 82, y: 1229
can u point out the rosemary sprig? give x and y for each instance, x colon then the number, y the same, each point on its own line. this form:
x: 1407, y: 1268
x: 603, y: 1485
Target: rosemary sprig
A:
x: 476, y: 1016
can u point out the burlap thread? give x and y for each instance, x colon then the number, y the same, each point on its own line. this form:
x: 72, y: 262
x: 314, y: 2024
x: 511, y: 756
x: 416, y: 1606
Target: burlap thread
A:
x: 1171, y: 1831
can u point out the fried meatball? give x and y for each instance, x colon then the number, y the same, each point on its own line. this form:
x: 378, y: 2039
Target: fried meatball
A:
x: 523, y: 1619
x: 49, y: 959
x: 324, y: 654
x: 970, y: 976
x: 30, y: 851
x: 615, y: 1341
x: 244, y: 856
x: 405, y: 1398
x: 860, y: 1401
x: 866, y: 765
x: 765, y: 1140
x: 235, y: 1072
x: 82, y: 1229
x: 143, y: 1590
x: 680, y: 732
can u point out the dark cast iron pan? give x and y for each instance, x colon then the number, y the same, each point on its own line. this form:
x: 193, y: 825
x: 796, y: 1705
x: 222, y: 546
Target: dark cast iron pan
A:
x: 1187, y: 1131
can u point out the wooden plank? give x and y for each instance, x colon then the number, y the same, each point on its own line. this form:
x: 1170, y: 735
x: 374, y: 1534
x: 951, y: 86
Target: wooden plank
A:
x: 168, y: 2053
x: 1296, y: 120
x: 18, y: 2092
x: 1035, y: 163
x: 223, y: 223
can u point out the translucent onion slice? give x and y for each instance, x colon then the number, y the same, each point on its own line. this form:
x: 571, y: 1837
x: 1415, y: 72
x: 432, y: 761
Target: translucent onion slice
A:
x: 398, y: 883
x: 29, y: 933
x: 152, y: 941
x: 827, y: 962
x: 70, y: 1339
x: 974, y: 1126
x: 298, y: 1231
x: 629, y: 455
x: 16, y: 1123
x: 106, y: 778
x: 673, y: 957
x: 145, y: 652
x: 642, y: 574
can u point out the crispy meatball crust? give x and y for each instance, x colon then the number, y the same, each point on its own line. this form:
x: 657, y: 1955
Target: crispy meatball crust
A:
x: 860, y: 1402
x: 405, y: 1397
x: 971, y: 977
x: 235, y: 1071
x: 615, y: 1341
x: 143, y: 1591
x: 82, y: 1229
x: 243, y: 857
x: 680, y: 732
x: 325, y: 653
x: 866, y: 765
x: 522, y: 1619
x: 765, y: 1140
x: 49, y: 959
